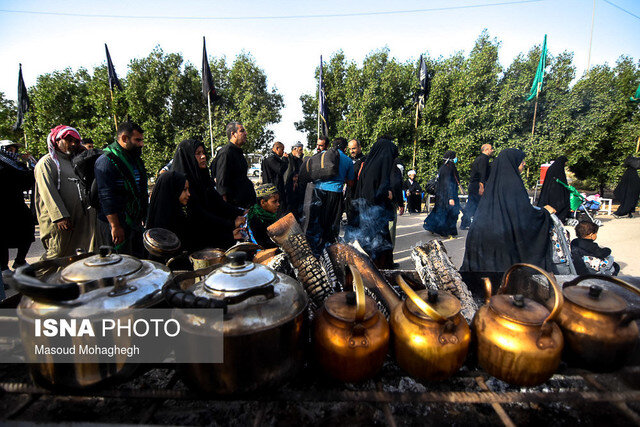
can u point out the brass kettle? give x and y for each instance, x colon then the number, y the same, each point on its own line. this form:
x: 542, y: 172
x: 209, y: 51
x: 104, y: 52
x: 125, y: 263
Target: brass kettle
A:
x: 430, y: 336
x: 350, y: 335
x: 598, y: 329
x: 518, y: 340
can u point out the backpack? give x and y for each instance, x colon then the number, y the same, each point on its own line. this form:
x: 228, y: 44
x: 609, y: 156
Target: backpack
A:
x: 431, y: 186
x: 83, y: 166
x: 321, y: 166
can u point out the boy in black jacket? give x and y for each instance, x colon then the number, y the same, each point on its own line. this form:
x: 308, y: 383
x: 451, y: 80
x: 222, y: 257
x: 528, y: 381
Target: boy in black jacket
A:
x: 588, y: 257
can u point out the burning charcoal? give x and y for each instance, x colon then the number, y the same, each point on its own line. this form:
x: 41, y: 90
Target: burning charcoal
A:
x: 438, y: 272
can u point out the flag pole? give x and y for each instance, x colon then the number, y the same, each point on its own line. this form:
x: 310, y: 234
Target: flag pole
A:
x: 415, y: 138
x: 210, y: 126
x: 535, y: 111
x: 638, y: 145
x: 113, y: 107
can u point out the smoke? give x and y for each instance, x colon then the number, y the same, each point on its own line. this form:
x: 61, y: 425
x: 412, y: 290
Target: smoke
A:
x: 370, y: 229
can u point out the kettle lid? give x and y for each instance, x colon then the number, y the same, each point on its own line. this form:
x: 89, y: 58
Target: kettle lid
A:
x: 519, y: 309
x: 441, y: 301
x: 239, y: 275
x: 595, y: 298
x: 342, y: 306
x: 101, y: 266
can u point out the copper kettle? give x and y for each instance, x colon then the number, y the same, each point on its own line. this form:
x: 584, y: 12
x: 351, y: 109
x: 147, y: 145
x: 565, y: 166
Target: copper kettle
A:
x: 598, y: 329
x: 518, y: 340
x: 350, y: 335
x: 430, y: 336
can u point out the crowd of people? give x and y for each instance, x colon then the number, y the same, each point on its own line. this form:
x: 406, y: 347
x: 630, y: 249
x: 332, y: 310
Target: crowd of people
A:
x: 214, y: 204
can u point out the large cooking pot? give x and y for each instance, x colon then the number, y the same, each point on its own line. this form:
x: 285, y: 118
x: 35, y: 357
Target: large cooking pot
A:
x: 350, y: 335
x: 84, y: 284
x: 262, y: 326
x: 599, y: 330
x: 518, y: 340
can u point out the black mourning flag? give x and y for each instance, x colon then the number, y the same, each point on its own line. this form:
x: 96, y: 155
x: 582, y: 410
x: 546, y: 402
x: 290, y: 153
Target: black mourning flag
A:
x: 322, y: 106
x: 113, y: 77
x: 23, y: 100
x: 425, y: 83
x: 208, y: 90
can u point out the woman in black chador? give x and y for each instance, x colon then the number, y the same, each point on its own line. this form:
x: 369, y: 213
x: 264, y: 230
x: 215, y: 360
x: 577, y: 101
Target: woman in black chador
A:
x: 15, y: 216
x: 168, y: 206
x: 374, y: 202
x: 211, y: 222
x: 628, y: 189
x: 506, y: 228
x: 444, y: 216
x: 553, y: 193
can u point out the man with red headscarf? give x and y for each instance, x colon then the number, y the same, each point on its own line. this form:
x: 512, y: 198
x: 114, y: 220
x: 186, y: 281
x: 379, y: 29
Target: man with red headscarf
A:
x: 65, y: 224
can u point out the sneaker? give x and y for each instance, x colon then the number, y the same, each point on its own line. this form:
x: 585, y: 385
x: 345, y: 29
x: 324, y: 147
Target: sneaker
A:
x: 616, y: 216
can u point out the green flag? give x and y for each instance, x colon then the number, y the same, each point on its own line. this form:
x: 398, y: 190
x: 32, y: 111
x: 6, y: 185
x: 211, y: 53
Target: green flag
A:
x: 636, y: 97
x: 536, y: 87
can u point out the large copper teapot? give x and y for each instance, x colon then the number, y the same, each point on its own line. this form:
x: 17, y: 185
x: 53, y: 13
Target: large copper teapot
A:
x: 430, y: 336
x: 598, y: 328
x: 351, y: 337
x: 518, y: 340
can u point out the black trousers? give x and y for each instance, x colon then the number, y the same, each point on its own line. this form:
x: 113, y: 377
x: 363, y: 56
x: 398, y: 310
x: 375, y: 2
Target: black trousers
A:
x: 324, y: 214
x: 414, y: 203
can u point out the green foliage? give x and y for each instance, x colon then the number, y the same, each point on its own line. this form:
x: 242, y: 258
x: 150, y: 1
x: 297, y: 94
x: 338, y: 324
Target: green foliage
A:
x: 474, y: 101
x: 8, y: 114
x: 162, y: 93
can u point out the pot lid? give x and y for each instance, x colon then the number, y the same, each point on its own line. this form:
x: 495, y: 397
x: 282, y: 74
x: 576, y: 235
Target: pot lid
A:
x: 595, y: 298
x: 441, y: 301
x: 519, y: 309
x: 239, y: 275
x: 342, y: 306
x: 104, y: 264
x: 161, y: 239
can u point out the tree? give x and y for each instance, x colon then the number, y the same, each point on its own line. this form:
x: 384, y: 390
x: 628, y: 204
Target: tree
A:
x: 163, y: 94
x: 8, y: 114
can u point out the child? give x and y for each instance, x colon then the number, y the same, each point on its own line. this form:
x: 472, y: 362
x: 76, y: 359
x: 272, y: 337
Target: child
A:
x: 263, y: 214
x: 588, y: 257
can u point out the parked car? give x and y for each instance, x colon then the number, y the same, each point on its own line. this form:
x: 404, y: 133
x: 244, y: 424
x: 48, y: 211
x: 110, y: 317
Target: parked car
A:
x: 254, y: 170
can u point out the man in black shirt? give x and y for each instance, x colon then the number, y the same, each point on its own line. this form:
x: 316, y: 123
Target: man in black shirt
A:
x: 231, y: 169
x: 414, y: 193
x: 274, y: 166
x: 355, y: 152
x: 294, y: 193
x: 477, y: 179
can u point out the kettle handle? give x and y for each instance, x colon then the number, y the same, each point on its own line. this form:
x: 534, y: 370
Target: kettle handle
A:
x: 361, y: 303
x: 419, y: 302
x: 28, y: 284
x: 558, y: 300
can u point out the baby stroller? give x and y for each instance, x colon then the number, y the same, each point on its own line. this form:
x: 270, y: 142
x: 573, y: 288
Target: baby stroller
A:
x: 582, y: 208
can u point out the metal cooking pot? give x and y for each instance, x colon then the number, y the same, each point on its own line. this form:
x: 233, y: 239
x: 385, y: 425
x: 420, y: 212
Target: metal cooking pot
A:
x: 86, y: 283
x: 262, y: 326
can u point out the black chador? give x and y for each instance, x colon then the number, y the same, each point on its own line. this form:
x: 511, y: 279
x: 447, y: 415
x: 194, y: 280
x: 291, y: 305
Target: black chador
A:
x: 553, y: 193
x: 165, y: 210
x: 211, y: 220
x: 480, y: 169
x: 444, y: 216
x: 628, y: 189
x: 506, y: 228
x: 293, y: 191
